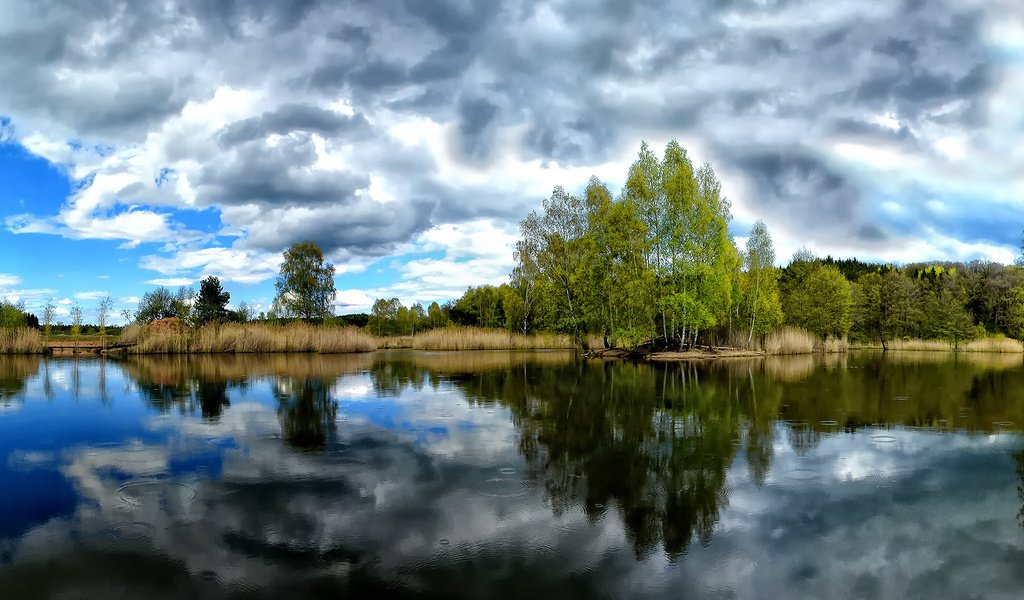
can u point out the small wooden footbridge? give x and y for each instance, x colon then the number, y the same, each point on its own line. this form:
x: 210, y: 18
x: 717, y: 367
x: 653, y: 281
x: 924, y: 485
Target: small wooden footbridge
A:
x: 90, y: 347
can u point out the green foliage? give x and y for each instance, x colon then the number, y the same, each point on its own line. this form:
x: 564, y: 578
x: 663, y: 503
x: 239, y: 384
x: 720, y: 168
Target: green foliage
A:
x: 244, y: 313
x: 657, y: 260
x: 212, y: 302
x: 480, y: 306
x: 305, y: 285
x: 762, y: 309
x: 391, y: 317
x: 12, y: 314
x: 819, y: 299
x: 155, y: 304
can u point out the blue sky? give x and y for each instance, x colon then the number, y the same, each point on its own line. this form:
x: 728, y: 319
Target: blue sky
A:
x: 155, y: 145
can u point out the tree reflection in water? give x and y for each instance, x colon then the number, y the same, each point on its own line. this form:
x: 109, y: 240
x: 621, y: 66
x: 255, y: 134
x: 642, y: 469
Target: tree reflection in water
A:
x: 213, y: 397
x: 307, y: 411
x: 655, y: 441
x: 648, y: 440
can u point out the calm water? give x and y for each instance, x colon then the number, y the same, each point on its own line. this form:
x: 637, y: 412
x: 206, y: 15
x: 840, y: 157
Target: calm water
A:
x: 511, y: 475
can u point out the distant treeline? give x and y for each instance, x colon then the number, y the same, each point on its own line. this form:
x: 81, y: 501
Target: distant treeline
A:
x: 657, y: 262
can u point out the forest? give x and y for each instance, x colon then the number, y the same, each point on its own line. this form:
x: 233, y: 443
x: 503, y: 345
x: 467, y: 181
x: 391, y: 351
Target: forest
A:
x: 656, y: 264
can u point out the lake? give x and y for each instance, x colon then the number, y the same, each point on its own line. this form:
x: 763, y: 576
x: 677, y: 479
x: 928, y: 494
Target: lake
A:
x: 497, y: 474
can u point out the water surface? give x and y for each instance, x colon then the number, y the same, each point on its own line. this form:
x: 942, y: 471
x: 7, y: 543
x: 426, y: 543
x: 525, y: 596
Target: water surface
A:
x: 496, y: 474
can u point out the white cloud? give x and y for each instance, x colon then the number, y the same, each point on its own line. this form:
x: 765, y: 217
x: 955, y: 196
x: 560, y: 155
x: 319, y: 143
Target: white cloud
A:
x: 228, y: 264
x: 94, y: 295
x: 171, y: 281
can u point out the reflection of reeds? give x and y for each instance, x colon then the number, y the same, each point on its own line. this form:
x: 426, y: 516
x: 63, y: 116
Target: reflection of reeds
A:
x: 472, y: 338
x: 789, y: 368
x: 789, y: 340
x: 20, y: 340
x: 467, y: 362
x: 995, y: 360
x: 249, y: 338
x: 172, y: 370
x: 992, y: 344
x: 14, y: 370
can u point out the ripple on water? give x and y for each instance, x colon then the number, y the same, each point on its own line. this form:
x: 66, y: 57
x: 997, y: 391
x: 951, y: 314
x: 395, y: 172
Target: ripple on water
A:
x: 131, y: 530
x: 167, y: 494
x: 829, y: 423
x: 883, y: 439
x: 507, y: 471
x: 1002, y: 423
x: 505, y: 487
x: 803, y: 475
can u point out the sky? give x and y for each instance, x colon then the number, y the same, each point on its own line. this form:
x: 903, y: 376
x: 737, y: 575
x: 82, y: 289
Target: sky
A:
x: 156, y: 143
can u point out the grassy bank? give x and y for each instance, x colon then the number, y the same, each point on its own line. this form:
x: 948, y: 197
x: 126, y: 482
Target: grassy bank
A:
x: 21, y: 340
x: 248, y: 338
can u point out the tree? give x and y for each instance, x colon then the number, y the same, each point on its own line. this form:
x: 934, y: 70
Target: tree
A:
x: 245, y: 312
x: 156, y: 304
x: 762, y: 291
x: 827, y: 298
x: 436, y: 317
x: 12, y: 314
x: 76, y: 320
x: 305, y: 285
x: 102, y: 316
x: 212, y: 302
x: 49, y: 311
x: 384, y: 316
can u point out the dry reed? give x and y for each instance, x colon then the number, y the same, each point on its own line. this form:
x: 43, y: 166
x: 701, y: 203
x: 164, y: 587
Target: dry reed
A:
x: 834, y: 345
x: 21, y: 340
x: 472, y: 338
x: 919, y: 345
x: 993, y: 344
x: 789, y: 340
x: 394, y: 342
x: 249, y: 338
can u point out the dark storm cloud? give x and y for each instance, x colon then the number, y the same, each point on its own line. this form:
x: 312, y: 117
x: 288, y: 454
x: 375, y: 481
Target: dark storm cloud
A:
x: 276, y: 175
x: 800, y: 190
x: 361, y: 226
x: 293, y: 117
x: 476, y: 135
x: 766, y: 87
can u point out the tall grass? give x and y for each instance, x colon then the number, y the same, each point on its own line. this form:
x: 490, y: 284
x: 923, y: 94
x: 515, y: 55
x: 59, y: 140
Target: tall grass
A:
x: 919, y: 345
x: 834, y: 345
x: 248, y: 338
x: 993, y: 344
x: 789, y: 340
x: 472, y: 338
x: 20, y: 340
